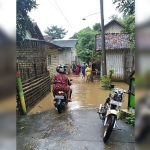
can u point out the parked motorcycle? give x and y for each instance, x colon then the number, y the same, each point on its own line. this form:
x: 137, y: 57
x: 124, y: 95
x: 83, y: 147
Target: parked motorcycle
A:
x: 109, y: 112
x: 60, y: 99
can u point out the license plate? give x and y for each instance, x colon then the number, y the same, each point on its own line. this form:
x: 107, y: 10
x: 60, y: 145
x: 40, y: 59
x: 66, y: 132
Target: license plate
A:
x: 59, y: 96
x: 115, y: 103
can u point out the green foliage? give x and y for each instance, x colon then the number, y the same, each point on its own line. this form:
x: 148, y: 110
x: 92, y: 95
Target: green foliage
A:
x: 128, y: 9
x: 97, y: 27
x: 23, y: 20
x: 106, y: 79
x: 86, y: 43
x: 130, y: 119
x: 129, y: 23
x: 56, y: 32
x: 75, y: 36
x: 113, y: 17
x: 95, y: 56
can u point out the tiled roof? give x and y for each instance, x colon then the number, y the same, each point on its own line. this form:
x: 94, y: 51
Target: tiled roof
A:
x: 113, y: 21
x: 113, y: 41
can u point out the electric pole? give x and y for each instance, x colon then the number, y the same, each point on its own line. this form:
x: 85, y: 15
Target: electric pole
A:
x: 104, y: 70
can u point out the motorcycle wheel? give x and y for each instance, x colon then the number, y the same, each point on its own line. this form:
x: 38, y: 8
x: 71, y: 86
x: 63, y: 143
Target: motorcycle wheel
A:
x: 59, y: 107
x: 109, y: 127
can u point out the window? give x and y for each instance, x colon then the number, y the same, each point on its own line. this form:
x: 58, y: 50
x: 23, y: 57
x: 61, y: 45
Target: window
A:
x: 49, y: 59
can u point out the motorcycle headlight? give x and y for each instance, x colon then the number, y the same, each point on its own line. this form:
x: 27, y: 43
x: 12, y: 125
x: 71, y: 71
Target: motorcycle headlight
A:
x: 118, y: 97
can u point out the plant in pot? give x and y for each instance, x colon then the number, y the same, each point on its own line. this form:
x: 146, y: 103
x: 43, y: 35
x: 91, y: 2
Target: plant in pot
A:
x: 106, y: 79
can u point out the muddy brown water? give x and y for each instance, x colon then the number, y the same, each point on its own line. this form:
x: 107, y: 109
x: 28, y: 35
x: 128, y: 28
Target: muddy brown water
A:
x: 85, y: 95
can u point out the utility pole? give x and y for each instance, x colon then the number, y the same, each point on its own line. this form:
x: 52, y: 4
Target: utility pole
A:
x: 104, y: 70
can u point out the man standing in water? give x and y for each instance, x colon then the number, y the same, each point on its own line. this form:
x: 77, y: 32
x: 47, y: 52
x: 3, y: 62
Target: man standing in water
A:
x: 83, y: 67
x: 88, y: 73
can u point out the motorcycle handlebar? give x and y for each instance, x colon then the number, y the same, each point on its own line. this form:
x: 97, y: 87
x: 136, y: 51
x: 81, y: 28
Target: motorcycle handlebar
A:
x: 129, y: 92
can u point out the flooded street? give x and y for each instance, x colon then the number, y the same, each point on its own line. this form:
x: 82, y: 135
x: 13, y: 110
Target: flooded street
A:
x: 77, y: 128
x: 85, y: 95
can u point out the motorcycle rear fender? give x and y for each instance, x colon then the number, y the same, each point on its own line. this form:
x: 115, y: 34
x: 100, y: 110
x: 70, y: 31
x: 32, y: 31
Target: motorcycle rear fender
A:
x: 58, y: 101
x: 114, y: 112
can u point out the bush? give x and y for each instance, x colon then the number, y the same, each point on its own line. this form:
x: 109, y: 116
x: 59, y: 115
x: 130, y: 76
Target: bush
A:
x: 130, y: 119
x: 106, y: 79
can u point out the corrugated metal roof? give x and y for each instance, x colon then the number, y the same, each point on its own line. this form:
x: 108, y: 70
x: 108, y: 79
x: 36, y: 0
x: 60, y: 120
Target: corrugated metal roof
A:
x: 65, y: 43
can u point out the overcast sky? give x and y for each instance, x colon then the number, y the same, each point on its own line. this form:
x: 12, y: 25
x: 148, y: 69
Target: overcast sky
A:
x: 48, y: 14
x: 70, y: 13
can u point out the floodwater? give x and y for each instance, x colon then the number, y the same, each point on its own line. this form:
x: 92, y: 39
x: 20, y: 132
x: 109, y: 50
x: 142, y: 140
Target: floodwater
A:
x: 85, y: 95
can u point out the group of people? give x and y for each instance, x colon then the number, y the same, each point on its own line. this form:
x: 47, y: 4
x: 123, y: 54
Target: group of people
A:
x: 86, y: 71
x: 61, y: 81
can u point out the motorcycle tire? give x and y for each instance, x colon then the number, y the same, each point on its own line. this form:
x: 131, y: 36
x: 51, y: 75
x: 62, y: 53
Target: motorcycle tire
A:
x: 109, y: 127
x: 59, y: 107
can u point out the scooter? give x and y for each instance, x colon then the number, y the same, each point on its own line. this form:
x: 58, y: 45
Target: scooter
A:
x: 60, y: 99
x: 109, y: 112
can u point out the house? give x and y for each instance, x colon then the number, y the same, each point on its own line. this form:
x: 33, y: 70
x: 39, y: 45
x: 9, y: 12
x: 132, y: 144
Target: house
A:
x: 52, y: 57
x: 34, y: 32
x: 67, y: 52
x: 48, y: 38
x: 118, y: 55
x: 32, y: 64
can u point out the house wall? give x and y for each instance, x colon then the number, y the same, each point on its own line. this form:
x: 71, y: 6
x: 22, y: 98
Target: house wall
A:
x: 54, y: 56
x: 129, y: 64
x: 114, y: 61
x: 31, y: 59
x: 122, y: 62
x: 65, y: 56
x: 113, y: 28
x: 73, y: 54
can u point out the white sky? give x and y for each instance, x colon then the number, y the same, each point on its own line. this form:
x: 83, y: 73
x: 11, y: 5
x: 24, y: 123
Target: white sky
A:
x: 49, y: 14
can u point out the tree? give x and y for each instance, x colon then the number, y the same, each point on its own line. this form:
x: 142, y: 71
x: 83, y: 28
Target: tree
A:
x: 56, y: 32
x: 127, y: 7
x: 113, y: 17
x: 86, y: 43
x: 97, y: 27
x: 23, y: 20
x: 75, y: 36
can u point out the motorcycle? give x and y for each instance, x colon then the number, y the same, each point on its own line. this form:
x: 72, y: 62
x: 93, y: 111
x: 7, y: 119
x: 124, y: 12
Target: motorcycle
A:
x: 60, y: 99
x: 109, y: 111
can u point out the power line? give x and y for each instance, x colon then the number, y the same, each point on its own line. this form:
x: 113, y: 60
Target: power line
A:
x: 92, y: 14
x: 52, y: 3
x: 64, y: 15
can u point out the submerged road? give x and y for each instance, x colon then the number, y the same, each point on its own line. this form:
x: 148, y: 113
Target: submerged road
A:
x: 78, y: 128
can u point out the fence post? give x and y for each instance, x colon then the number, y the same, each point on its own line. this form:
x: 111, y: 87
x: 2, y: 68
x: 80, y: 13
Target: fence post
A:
x: 19, y: 87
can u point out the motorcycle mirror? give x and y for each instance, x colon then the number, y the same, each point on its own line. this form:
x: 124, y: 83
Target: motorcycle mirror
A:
x: 111, y: 86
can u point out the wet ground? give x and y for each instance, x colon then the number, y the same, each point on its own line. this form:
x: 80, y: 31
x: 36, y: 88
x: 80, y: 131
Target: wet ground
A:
x: 85, y: 95
x: 78, y: 128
